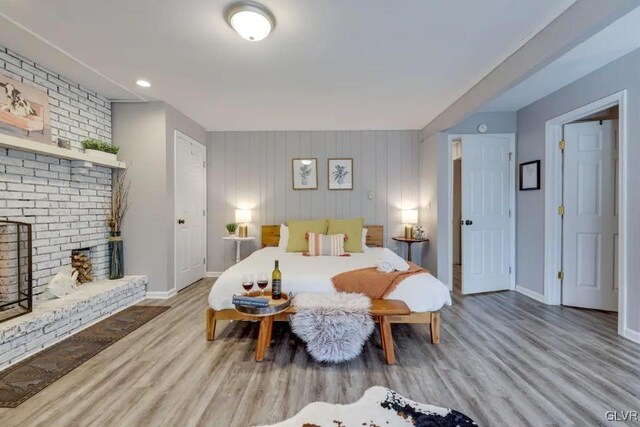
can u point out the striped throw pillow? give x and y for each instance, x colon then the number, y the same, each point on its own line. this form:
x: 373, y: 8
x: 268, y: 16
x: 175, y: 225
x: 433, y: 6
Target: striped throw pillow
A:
x: 322, y: 244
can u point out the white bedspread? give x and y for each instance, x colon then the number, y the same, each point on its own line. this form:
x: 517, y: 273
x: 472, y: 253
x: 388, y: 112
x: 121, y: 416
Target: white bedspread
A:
x: 421, y: 292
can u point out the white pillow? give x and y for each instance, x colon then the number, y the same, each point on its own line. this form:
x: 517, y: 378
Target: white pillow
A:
x: 364, y: 237
x: 284, y: 237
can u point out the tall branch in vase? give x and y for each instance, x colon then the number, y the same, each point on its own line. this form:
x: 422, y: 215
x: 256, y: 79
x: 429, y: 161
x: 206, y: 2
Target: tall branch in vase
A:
x: 119, y: 208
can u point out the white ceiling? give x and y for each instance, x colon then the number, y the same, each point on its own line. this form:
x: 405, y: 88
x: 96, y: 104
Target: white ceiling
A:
x: 618, y: 39
x: 329, y: 64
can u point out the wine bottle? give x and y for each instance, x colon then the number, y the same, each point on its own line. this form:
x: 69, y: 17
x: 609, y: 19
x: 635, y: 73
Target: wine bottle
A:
x: 276, y: 282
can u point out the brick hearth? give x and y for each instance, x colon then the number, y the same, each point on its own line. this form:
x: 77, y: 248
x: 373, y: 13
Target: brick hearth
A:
x: 55, y: 319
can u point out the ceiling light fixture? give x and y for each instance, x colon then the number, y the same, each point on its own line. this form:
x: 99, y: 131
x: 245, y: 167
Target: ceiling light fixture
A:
x: 143, y: 83
x: 251, y: 20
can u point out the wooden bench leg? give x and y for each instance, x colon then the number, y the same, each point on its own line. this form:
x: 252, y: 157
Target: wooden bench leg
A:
x: 270, y: 333
x: 210, y: 324
x: 265, y: 324
x: 435, y: 327
x: 381, y: 332
x: 387, y: 339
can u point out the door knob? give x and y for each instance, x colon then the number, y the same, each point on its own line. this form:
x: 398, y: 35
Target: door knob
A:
x: 181, y: 221
x: 468, y: 222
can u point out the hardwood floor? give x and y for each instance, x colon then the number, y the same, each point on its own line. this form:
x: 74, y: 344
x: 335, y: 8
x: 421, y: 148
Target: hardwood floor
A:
x: 504, y: 359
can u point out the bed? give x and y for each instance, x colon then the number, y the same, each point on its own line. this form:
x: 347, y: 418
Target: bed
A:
x: 423, y: 293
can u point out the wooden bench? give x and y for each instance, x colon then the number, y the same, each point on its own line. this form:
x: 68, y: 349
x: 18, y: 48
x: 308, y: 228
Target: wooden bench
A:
x: 383, y: 311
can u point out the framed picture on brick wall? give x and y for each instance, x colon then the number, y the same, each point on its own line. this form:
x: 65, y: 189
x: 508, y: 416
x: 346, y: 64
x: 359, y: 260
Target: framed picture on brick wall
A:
x: 24, y: 111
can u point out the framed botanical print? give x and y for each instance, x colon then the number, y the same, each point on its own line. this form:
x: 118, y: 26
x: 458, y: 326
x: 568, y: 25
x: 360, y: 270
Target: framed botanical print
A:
x: 340, y: 174
x: 305, y: 174
x: 530, y: 175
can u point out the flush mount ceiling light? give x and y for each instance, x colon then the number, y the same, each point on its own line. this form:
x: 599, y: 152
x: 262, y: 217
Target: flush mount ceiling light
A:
x: 143, y: 83
x: 251, y: 20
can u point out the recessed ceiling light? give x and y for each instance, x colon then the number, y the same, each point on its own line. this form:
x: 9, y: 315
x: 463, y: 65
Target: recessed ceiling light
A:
x: 143, y: 83
x: 251, y: 20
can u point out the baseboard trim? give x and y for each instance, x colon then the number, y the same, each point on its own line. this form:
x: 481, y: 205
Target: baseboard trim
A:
x: 531, y: 294
x: 213, y: 274
x: 632, y: 335
x: 161, y: 294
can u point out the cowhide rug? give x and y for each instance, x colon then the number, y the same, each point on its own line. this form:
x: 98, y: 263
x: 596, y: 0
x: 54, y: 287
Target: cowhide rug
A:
x: 378, y: 407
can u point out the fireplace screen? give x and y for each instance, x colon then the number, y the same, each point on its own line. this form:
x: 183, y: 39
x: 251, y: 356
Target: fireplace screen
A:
x: 15, y: 269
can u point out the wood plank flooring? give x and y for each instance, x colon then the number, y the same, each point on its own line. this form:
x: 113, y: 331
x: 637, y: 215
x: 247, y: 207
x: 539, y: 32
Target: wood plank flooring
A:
x: 504, y: 359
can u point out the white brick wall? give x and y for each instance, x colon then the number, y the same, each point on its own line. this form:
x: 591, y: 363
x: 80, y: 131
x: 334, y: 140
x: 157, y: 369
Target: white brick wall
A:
x: 77, y: 113
x: 56, y: 319
x: 66, y: 204
x: 66, y: 201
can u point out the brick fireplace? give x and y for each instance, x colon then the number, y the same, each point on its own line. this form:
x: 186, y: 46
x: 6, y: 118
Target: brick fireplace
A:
x: 65, y: 201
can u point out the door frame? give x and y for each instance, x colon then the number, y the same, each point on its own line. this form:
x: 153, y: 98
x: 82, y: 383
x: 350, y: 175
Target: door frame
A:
x: 177, y: 133
x: 452, y: 138
x: 553, y: 199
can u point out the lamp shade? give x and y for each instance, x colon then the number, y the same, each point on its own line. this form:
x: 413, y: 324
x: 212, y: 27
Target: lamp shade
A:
x: 243, y: 216
x: 409, y: 216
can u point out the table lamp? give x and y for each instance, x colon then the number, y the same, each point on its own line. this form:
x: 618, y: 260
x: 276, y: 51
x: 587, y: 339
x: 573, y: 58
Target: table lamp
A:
x: 243, y: 216
x: 409, y: 217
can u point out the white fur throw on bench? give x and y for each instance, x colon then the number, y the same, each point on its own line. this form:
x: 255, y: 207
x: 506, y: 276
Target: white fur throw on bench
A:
x: 334, y: 326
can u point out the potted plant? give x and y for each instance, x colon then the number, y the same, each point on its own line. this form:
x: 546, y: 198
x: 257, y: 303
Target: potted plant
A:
x: 305, y: 171
x: 231, y: 228
x: 119, y: 207
x: 100, y: 149
x: 340, y: 173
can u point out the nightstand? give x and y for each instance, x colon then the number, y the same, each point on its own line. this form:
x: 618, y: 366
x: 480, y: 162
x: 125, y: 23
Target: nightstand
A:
x: 409, y: 242
x: 238, y: 241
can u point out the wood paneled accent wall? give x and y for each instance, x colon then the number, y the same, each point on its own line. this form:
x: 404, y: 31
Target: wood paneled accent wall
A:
x: 253, y: 170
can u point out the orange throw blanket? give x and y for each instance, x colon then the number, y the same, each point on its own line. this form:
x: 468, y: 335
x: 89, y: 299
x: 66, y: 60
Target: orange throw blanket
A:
x: 371, y: 282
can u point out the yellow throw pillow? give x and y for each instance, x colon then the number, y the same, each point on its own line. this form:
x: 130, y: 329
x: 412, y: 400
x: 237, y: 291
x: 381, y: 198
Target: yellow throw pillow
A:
x: 299, y: 229
x: 352, y: 228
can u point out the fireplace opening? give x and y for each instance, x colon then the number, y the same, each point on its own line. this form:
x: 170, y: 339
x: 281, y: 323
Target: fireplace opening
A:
x: 81, y: 262
x: 16, y: 280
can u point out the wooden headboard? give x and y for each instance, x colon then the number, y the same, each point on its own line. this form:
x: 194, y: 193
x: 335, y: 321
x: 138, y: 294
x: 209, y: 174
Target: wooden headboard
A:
x: 271, y: 235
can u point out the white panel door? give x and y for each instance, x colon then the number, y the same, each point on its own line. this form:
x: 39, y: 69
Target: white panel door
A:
x: 590, y: 222
x: 189, y: 211
x: 486, y: 184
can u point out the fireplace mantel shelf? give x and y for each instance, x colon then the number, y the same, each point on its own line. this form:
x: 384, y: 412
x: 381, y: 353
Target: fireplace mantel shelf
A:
x: 8, y: 141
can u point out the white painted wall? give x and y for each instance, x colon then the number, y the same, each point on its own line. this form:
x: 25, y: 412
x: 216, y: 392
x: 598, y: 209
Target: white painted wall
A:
x: 579, y: 22
x: 138, y: 129
x: 428, y: 153
x: 618, y: 75
x: 144, y: 133
x: 253, y: 170
x: 502, y: 122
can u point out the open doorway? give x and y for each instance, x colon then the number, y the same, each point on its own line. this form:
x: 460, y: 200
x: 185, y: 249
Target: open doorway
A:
x: 585, y: 207
x: 457, y: 216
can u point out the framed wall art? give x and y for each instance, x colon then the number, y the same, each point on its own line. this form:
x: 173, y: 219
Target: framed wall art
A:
x: 340, y: 174
x: 24, y: 111
x: 530, y: 175
x: 304, y: 174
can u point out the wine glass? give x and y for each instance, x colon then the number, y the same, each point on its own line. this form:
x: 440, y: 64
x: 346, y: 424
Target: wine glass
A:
x: 247, y: 282
x: 263, y: 282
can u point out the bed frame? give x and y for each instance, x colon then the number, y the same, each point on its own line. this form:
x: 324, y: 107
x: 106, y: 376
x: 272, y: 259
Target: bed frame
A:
x: 375, y: 238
